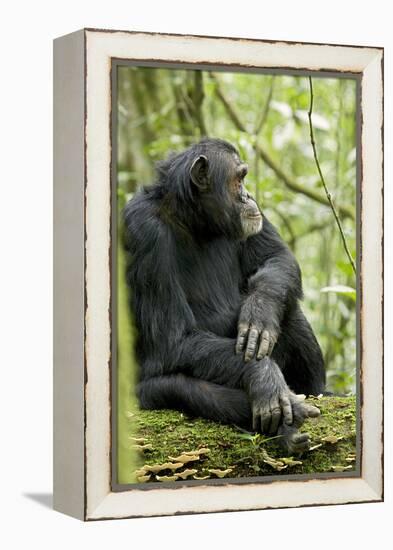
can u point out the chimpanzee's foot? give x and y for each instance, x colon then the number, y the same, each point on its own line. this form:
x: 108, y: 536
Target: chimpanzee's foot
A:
x: 302, y: 410
x: 292, y: 441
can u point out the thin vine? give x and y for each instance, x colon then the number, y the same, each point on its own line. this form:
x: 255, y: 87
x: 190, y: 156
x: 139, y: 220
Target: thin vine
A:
x: 327, y: 192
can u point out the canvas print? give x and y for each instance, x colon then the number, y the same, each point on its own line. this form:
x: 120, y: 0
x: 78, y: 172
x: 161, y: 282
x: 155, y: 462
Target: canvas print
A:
x: 235, y: 275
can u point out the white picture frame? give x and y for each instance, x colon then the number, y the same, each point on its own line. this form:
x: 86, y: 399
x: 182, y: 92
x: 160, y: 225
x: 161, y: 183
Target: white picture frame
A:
x: 82, y: 257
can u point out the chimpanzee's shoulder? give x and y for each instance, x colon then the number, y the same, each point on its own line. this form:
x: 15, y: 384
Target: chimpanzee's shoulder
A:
x: 142, y: 224
x: 142, y: 203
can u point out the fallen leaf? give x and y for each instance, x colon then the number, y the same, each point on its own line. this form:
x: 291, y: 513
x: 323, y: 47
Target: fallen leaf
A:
x: 143, y: 479
x: 340, y: 468
x: 147, y: 447
x: 166, y: 478
x: 276, y: 464
x: 315, y: 447
x: 154, y: 468
x: 220, y: 473
x: 186, y: 473
x: 199, y: 452
x: 200, y: 478
x: 141, y: 472
x: 289, y: 461
x: 184, y: 458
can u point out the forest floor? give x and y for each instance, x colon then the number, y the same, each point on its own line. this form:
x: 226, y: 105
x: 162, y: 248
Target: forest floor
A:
x: 173, y: 447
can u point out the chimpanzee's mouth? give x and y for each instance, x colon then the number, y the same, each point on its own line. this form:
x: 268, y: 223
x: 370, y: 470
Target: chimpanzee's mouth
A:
x: 256, y: 216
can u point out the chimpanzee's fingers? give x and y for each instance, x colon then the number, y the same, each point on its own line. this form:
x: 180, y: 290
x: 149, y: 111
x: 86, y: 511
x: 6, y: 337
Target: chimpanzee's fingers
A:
x: 300, y: 442
x: 251, y: 343
x: 241, y: 337
x: 276, y: 415
x: 265, y: 420
x: 264, y: 344
x: 286, y: 409
x: 271, y: 346
x: 312, y: 411
x: 300, y: 437
x: 256, y: 419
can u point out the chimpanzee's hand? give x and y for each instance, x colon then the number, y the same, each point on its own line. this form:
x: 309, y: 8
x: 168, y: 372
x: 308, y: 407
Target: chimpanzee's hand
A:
x: 258, y: 328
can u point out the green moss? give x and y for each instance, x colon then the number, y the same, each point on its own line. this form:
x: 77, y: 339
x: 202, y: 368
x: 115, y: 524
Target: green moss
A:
x: 162, y: 434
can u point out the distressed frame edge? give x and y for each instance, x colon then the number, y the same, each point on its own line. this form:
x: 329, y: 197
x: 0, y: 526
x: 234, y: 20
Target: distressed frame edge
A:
x: 372, y: 263
x: 104, y: 510
x: 375, y: 495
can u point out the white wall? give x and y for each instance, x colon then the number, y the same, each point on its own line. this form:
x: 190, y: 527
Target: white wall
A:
x: 25, y: 215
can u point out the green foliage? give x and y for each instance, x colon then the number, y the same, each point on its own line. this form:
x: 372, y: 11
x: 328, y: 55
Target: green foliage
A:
x: 341, y: 289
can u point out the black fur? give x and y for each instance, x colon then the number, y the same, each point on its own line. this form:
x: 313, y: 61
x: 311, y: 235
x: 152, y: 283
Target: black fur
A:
x: 193, y: 279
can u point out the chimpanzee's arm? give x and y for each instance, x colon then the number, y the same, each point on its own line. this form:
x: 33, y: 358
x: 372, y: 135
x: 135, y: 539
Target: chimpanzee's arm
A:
x: 273, y: 286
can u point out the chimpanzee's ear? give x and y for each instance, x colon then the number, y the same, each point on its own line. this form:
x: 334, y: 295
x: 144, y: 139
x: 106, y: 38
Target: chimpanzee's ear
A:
x: 199, y: 172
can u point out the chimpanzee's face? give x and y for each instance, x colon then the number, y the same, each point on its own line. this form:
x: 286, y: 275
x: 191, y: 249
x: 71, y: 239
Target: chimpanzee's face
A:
x: 250, y: 215
x: 222, y: 196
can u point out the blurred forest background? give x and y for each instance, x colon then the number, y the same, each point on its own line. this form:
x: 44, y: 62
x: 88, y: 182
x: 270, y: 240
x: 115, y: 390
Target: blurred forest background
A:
x: 266, y: 118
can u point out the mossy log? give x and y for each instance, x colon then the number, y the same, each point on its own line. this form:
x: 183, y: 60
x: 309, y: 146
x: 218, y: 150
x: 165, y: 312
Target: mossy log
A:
x: 172, y: 446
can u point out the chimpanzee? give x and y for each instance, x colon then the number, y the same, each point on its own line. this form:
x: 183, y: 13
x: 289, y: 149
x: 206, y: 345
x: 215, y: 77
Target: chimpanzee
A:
x: 215, y: 294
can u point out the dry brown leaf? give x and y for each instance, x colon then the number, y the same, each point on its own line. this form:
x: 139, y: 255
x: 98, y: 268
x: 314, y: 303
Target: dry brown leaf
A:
x: 186, y: 473
x: 289, y: 461
x: 220, y: 473
x: 315, y: 447
x: 166, y: 478
x: 141, y: 472
x: 199, y: 452
x: 143, y: 479
x: 276, y: 464
x: 340, y: 468
x: 154, y: 468
x: 147, y: 447
x: 184, y: 458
